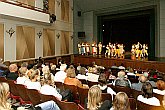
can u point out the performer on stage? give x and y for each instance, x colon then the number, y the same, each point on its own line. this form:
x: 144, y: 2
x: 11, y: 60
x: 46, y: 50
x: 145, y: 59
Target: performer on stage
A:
x: 87, y: 46
x: 138, y: 46
x: 100, y: 47
x: 121, y: 53
x: 133, y: 49
x: 79, y: 48
x: 83, y: 48
x: 94, y: 48
x: 107, y: 51
x: 144, y: 50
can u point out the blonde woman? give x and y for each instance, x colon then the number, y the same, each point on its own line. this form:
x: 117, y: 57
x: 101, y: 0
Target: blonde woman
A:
x: 4, y: 93
x: 121, y: 102
x: 94, y: 100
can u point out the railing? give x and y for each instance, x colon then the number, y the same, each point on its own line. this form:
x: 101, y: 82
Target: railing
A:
x: 17, y: 3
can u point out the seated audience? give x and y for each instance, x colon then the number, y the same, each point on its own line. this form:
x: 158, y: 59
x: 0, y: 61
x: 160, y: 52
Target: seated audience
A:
x: 82, y: 73
x: 13, y: 75
x: 53, y: 69
x: 121, y: 80
x: 33, y: 83
x: 92, y: 74
x: 61, y: 75
x: 48, y: 89
x: 121, y: 102
x: 23, y: 78
x: 70, y: 79
x: 94, y: 100
x: 160, y: 84
x: 5, y: 105
x: 142, y: 79
x: 147, y: 95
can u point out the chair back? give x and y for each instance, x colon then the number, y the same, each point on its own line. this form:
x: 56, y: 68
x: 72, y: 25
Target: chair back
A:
x: 135, y: 93
x: 106, y: 96
x: 90, y: 83
x: 83, y: 94
x: 34, y: 96
x: 61, y: 104
x: 127, y: 90
x: 13, y: 88
x: 132, y: 102
x: 143, y: 106
x: 73, y: 89
x: 22, y: 90
x: 83, y: 81
x: 3, y: 79
x: 60, y: 86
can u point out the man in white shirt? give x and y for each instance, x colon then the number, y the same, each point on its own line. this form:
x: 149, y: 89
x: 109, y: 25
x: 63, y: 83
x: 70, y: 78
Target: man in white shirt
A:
x: 61, y: 75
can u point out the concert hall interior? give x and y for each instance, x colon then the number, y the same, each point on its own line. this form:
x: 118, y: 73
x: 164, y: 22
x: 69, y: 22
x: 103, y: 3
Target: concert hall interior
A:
x: 50, y: 42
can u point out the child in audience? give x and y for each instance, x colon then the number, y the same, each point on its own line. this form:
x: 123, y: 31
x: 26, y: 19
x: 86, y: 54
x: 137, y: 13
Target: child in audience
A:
x: 94, y: 100
x: 121, y: 102
x: 147, y: 95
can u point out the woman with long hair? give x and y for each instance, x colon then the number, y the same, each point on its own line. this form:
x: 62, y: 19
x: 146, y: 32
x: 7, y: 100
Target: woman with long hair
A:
x: 95, y: 100
x: 4, y: 93
x: 121, y: 102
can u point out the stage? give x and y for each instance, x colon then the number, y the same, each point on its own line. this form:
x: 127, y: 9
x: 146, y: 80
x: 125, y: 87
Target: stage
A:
x: 127, y: 61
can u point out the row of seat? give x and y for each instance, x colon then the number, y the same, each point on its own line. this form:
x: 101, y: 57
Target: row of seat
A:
x: 32, y: 96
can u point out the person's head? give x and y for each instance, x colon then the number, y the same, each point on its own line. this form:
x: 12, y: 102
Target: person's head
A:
x: 121, y: 101
x: 13, y: 68
x: 22, y: 71
x: 95, y: 70
x: 94, y: 97
x: 24, y: 64
x: 4, y: 93
x: 160, y: 84
x: 102, y: 79
x: 143, y: 79
x: 53, y: 67
x: 121, y: 74
x: 82, y: 70
x: 48, y: 79
x: 71, y: 73
x: 45, y: 69
x: 147, y: 90
x: 34, y: 75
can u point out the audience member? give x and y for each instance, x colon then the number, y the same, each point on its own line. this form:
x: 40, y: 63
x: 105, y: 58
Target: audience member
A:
x: 92, y: 74
x: 23, y: 78
x: 61, y: 75
x: 121, y: 102
x: 71, y: 78
x: 121, y: 80
x: 147, y: 95
x: 53, y: 69
x: 160, y: 84
x: 94, y: 100
x: 48, y: 89
x: 82, y: 73
x: 33, y: 83
x: 13, y: 75
x: 142, y: 79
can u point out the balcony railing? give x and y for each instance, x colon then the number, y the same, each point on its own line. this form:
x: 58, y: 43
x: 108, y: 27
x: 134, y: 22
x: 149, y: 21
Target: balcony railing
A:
x: 17, y: 3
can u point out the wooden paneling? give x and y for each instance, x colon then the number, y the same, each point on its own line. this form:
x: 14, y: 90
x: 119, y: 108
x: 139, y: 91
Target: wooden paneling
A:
x: 2, y: 41
x: 49, y: 42
x: 51, y: 6
x: 25, y: 43
x: 65, y: 10
x: 64, y: 42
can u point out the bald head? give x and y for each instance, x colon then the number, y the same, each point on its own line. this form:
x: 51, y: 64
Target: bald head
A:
x: 13, y: 68
x: 142, y: 79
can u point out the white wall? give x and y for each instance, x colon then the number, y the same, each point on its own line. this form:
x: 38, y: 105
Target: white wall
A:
x: 38, y: 42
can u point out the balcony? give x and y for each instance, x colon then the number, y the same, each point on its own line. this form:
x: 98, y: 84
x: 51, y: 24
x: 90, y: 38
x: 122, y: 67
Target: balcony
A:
x: 15, y: 9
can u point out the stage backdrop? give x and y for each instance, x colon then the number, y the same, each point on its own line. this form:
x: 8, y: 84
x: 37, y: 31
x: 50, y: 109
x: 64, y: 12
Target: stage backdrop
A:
x: 25, y: 43
x: 49, y: 42
x: 65, y: 10
x: 1, y: 41
x: 64, y: 42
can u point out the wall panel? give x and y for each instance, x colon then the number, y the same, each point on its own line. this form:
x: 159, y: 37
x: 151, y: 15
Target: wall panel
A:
x: 25, y: 42
x: 48, y: 42
x: 64, y: 42
x: 65, y: 10
x: 52, y: 6
x: 1, y: 41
